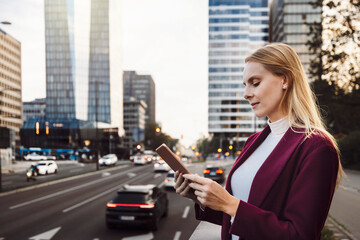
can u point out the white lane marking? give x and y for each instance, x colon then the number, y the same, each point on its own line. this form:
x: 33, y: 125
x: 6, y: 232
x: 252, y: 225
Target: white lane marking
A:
x: 131, y: 174
x: 105, y: 174
x: 177, y: 235
x: 186, y: 212
x: 65, y: 191
x: 99, y: 195
x: 148, y: 236
x: 46, y: 235
x: 157, y: 175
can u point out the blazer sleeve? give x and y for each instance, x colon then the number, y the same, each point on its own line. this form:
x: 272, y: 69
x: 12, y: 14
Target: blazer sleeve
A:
x: 306, y: 207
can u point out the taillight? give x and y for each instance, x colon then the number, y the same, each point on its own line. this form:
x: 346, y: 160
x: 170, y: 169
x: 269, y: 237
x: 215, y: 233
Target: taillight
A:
x: 206, y: 171
x: 166, y: 180
x: 147, y: 205
x: 219, y: 171
x: 130, y: 205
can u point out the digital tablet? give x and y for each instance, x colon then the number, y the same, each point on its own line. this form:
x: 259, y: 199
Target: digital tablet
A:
x: 171, y: 159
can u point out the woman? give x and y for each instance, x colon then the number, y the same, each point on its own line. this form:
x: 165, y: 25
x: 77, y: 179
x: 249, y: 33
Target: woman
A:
x: 282, y: 184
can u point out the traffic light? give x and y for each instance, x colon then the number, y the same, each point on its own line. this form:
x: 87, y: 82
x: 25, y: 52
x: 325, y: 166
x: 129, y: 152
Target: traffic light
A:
x: 47, y: 128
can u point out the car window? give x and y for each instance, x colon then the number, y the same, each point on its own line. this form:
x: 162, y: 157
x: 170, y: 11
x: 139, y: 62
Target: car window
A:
x: 131, y: 198
x: 170, y: 175
x: 41, y: 164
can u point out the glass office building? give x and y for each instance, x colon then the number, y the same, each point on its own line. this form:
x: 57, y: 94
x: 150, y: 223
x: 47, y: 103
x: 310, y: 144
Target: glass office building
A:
x: 288, y: 20
x: 236, y: 28
x: 83, y: 61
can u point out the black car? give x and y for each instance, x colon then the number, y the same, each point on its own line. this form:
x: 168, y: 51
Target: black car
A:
x: 137, y: 205
x: 215, y: 173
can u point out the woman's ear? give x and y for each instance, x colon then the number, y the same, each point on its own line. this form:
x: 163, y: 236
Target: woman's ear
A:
x: 284, y: 82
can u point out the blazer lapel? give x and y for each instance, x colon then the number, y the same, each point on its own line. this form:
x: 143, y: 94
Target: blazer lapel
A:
x: 253, y: 145
x: 273, y: 166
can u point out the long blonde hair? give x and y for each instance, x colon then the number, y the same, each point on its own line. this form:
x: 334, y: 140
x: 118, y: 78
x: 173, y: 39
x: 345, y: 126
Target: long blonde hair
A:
x: 298, y: 102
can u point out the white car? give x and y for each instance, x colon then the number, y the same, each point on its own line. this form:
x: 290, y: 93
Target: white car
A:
x: 108, y: 160
x: 35, y: 157
x: 140, y: 160
x: 161, y: 166
x: 169, y: 181
x: 46, y: 167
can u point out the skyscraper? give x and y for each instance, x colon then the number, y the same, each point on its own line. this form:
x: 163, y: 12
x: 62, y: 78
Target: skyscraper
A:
x: 141, y: 87
x: 83, y: 61
x: 288, y: 20
x: 236, y: 28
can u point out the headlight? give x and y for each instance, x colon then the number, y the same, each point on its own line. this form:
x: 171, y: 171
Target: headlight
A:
x: 28, y: 174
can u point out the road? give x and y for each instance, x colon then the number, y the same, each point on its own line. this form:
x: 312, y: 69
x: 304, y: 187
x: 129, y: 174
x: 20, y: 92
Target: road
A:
x: 75, y: 209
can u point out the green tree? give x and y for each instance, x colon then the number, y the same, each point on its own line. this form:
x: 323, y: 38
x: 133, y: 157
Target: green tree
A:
x: 154, y: 139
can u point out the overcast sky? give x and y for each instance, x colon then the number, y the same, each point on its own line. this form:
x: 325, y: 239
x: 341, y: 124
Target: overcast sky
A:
x: 165, y: 38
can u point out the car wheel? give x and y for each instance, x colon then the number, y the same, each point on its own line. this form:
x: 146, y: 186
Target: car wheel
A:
x: 55, y: 171
x: 46, y: 173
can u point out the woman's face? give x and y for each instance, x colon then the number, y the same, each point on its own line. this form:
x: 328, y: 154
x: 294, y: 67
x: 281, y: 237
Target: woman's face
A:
x: 264, y: 91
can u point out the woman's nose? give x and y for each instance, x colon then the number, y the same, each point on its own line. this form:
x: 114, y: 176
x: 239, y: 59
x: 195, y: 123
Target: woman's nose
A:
x: 247, y: 94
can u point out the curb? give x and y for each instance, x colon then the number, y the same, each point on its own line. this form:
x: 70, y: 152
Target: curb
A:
x: 339, y: 232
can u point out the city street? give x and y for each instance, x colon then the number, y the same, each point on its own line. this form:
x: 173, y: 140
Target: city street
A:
x: 75, y: 209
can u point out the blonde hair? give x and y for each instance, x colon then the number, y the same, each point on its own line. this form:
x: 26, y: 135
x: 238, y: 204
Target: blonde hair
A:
x: 298, y: 102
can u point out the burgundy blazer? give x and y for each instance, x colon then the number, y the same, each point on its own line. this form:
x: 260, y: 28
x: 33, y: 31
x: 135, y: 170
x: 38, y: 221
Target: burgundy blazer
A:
x: 290, y: 195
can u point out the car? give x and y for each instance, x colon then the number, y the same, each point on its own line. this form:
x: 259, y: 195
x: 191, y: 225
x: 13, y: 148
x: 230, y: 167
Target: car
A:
x: 46, y: 167
x: 140, y: 160
x: 169, y: 181
x: 215, y: 173
x: 161, y: 166
x: 108, y: 160
x: 34, y: 157
x: 139, y: 205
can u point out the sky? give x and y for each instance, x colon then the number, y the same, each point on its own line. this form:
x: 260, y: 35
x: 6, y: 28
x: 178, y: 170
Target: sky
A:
x: 167, y: 39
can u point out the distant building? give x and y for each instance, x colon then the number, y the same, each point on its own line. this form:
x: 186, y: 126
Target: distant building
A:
x: 141, y: 87
x: 134, y: 122
x: 288, y: 20
x: 10, y: 85
x: 83, y: 61
x: 236, y: 28
x: 34, y: 109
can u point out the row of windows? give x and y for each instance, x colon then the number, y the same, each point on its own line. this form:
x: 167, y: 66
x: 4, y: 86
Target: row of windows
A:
x: 222, y: 126
x: 11, y: 61
x: 7, y: 41
x: 9, y: 51
x: 225, y: 86
x: 237, y: 11
x: 224, y: 94
x: 230, y: 118
x: 300, y: 8
x: 228, y: 53
x: 11, y: 79
x: 237, y: 36
x: 227, y: 61
x: 241, y: 69
x: 237, y: 20
x: 218, y: 110
x: 11, y: 106
x: 232, y: 78
x: 228, y: 45
x: 9, y: 124
x: 228, y: 102
x: 302, y: 18
x: 252, y: 3
x: 5, y: 96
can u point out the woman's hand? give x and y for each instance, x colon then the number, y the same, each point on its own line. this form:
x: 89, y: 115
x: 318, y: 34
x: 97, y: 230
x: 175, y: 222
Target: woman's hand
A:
x: 211, y: 194
x: 182, y: 187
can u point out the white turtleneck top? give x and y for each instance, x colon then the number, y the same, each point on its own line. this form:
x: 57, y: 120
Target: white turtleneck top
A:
x: 243, y: 177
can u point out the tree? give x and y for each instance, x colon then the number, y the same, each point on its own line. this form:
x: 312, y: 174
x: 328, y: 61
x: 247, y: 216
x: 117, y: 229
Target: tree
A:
x: 336, y: 66
x: 154, y: 139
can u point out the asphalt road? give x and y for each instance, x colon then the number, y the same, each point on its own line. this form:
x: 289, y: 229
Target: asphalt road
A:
x: 75, y: 209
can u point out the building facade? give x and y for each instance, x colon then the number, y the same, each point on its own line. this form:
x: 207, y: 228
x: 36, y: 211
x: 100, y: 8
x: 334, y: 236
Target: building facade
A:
x: 141, y: 87
x: 10, y: 85
x: 83, y: 77
x: 34, y: 109
x: 236, y: 28
x: 134, y: 123
x: 288, y: 20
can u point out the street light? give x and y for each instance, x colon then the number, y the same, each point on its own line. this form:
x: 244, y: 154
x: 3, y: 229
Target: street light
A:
x: 157, y: 130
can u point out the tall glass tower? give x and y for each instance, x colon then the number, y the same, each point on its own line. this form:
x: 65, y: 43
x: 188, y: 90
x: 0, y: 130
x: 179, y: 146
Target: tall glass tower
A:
x: 236, y: 28
x: 83, y: 60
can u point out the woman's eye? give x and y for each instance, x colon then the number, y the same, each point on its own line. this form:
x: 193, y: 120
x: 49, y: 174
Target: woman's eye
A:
x: 256, y: 84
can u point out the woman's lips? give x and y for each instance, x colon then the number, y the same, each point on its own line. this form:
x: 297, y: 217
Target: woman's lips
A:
x: 253, y: 105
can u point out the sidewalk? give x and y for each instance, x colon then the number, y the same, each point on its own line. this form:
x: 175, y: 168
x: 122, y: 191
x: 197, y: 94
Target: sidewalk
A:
x: 22, y: 166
